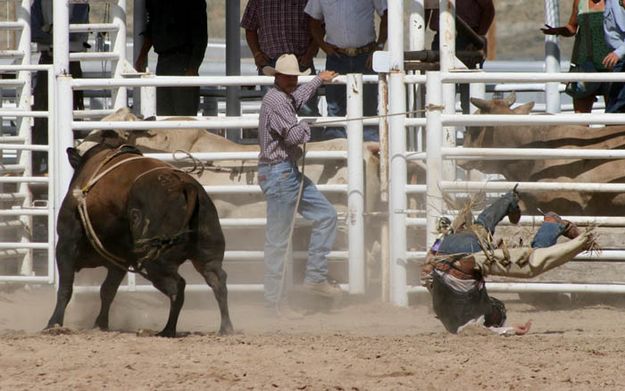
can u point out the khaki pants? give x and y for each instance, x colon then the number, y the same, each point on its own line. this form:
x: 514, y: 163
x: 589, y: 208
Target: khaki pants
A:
x: 525, y: 262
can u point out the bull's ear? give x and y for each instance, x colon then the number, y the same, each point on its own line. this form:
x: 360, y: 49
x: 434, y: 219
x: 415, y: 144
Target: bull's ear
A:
x: 74, y: 157
x: 510, y: 99
x: 525, y: 108
x: 482, y: 104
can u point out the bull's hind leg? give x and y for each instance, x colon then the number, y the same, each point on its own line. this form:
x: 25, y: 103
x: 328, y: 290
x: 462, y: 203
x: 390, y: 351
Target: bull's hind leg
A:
x: 172, y: 285
x: 65, y: 258
x: 108, y: 290
x: 216, y: 277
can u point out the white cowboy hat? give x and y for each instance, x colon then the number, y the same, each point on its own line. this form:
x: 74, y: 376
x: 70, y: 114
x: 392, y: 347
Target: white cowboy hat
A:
x: 287, y: 65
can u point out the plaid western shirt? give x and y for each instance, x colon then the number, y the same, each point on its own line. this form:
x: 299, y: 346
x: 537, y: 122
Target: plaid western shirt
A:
x: 282, y: 26
x: 279, y: 133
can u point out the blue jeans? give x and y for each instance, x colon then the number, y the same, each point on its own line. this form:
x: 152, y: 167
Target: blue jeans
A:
x: 616, y: 95
x: 280, y: 184
x: 466, y: 242
x: 336, y: 95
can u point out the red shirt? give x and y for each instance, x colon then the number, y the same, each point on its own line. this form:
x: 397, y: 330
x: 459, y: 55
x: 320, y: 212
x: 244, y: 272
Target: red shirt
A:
x: 282, y: 26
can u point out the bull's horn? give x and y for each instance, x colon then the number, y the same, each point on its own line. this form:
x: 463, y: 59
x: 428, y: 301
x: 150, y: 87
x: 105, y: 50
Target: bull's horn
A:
x: 510, y: 99
x: 482, y: 104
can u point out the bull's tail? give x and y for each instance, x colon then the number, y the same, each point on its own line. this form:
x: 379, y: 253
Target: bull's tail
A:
x: 152, y: 247
x: 191, y: 196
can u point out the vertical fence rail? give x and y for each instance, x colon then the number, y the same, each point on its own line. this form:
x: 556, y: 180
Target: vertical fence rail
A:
x: 355, y: 185
x: 23, y: 99
x: 397, y: 152
x: 118, y: 12
x: 434, y: 160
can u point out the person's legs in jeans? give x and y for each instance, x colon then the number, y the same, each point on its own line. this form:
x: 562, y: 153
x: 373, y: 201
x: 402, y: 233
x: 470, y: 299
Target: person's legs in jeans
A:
x: 336, y: 95
x: 495, y: 212
x: 314, y: 206
x: 279, y: 183
x: 547, y: 235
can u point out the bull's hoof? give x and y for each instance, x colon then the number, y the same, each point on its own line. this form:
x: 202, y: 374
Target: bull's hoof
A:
x: 226, y: 330
x: 57, y: 330
x: 167, y: 334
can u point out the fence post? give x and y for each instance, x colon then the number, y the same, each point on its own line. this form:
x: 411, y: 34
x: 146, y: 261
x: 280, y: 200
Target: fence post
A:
x: 118, y: 12
x: 355, y: 186
x: 148, y: 98
x: 23, y: 99
x: 434, y: 161
x: 384, y: 238
x: 397, y: 155
x: 552, y: 56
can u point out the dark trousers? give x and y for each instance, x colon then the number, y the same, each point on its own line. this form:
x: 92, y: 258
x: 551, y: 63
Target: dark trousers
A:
x: 336, y: 95
x: 616, y: 96
x: 40, y: 96
x: 175, y: 100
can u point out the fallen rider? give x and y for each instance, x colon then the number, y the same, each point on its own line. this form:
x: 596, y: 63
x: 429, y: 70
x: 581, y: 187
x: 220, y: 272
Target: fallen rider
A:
x: 464, y: 255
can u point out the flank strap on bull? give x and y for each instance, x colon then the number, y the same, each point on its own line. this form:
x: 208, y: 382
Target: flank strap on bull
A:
x: 81, y: 196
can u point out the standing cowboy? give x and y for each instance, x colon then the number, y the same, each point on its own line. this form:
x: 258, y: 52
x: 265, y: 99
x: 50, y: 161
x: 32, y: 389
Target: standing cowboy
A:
x: 280, y: 136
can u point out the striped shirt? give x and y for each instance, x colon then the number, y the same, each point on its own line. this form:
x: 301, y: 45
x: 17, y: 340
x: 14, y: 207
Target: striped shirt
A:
x: 282, y: 26
x: 279, y: 133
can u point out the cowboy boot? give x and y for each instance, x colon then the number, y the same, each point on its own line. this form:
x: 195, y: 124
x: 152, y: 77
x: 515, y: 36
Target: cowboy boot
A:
x: 570, y: 230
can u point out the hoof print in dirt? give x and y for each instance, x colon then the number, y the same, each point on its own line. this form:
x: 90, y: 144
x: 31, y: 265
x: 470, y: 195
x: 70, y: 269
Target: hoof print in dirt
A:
x: 58, y: 330
x: 146, y: 333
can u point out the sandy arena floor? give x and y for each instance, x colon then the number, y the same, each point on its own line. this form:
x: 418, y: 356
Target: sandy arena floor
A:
x: 354, y: 347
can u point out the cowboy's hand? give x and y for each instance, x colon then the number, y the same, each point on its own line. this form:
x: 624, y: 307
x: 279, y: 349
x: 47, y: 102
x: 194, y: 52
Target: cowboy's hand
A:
x: 306, y: 60
x: 191, y: 72
x: 522, y: 329
x: 140, y: 63
x: 327, y: 75
x: 610, y: 60
x: 260, y: 59
x: 369, y: 63
x: 329, y: 49
x: 548, y: 30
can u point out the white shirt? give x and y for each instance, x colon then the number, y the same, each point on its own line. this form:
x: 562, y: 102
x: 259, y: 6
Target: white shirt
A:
x: 349, y: 23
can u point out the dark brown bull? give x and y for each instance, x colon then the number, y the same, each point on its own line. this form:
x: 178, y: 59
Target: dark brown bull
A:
x: 149, y: 218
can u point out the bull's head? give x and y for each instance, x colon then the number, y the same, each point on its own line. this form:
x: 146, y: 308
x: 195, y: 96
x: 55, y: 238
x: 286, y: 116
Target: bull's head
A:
x: 483, y: 136
x: 113, y: 138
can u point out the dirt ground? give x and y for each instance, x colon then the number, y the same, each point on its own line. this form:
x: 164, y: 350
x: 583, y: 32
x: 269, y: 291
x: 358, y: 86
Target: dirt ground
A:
x: 356, y: 346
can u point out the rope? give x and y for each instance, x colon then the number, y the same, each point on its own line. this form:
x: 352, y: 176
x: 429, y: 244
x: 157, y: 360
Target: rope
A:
x: 291, y: 229
x: 336, y: 121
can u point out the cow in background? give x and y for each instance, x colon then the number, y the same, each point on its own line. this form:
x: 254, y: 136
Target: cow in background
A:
x: 551, y: 170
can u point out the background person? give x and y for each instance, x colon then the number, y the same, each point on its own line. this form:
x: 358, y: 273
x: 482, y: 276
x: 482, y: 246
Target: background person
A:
x: 589, y: 50
x: 178, y: 33
x: 614, y: 30
x: 280, y: 136
x: 277, y: 27
x: 41, y: 33
x: 349, y: 39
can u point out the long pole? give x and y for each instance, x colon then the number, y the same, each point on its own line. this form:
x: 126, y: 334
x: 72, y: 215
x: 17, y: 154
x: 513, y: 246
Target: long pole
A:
x: 233, y: 62
x: 552, y: 56
x: 397, y: 152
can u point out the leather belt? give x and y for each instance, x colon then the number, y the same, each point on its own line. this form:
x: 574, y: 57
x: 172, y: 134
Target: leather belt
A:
x: 353, y: 52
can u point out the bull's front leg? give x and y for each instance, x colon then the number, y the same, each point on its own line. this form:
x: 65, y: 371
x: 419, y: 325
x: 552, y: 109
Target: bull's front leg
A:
x: 65, y: 259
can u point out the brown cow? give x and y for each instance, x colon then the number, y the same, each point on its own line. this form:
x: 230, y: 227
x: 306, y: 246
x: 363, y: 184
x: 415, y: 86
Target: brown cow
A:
x: 127, y: 212
x: 551, y: 170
